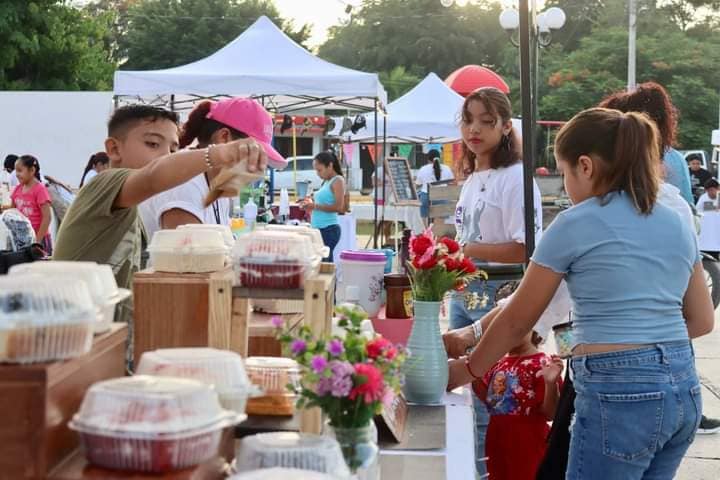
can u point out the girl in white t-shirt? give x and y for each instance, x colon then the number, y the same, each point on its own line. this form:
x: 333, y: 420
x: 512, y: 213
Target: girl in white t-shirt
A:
x: 490, y: 215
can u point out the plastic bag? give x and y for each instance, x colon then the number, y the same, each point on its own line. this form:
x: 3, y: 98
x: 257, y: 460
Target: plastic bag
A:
x: 18, y: 233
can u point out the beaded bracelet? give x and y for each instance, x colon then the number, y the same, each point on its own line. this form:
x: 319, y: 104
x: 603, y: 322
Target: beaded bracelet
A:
x: 208, y: 162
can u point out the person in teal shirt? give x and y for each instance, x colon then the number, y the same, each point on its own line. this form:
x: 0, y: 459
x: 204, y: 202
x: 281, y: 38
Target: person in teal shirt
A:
x: 328, y: 201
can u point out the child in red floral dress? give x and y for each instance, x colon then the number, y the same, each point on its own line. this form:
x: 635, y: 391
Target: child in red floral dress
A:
x: 521, y: 392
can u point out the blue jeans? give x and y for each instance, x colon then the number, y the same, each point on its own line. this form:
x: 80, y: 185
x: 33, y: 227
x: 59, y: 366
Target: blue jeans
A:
x: 460, y: 317
x: 331, y: 237
x: 636, y: 413
x: 424, y: 204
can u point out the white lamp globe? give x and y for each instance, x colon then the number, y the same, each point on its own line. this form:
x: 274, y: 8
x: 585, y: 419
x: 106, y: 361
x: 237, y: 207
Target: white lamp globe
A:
x: 555, y: 18
x: 510, y: 19
x: 447, y: 3
x: 461, y: 3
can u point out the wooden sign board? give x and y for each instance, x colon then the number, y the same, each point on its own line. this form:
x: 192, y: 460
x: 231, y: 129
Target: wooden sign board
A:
x: 401, y: 181
x: 394, y: 418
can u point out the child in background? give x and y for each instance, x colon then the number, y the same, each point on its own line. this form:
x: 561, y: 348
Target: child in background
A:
x: 521, y: 392
x: 32, y: 199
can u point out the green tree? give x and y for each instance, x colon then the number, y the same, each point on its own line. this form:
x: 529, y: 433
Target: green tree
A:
x: 49, y: 45
x: 420, y: 35
x: 168, y: 33
x: 398, y: 81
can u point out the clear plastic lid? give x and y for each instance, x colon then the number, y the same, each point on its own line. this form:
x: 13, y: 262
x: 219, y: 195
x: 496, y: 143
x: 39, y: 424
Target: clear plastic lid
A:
x: 273, y: 374
x: 21, y: 231
x: 223, y: 230
x: 283, y: 474
x: 221, y: 368
x: 33, y: 300
x: 265, y: 246
x: 147, y: 405
x: 187, y: 242
x: 98, y: 278
x: 312, y: 233
x: 291, y: 450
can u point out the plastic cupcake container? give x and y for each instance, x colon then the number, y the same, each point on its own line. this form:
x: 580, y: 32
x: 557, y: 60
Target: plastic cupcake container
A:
x: 151, y: 424
x: 282, y: 474
x: 312, y: 233
x: 223, y: 230
x: 222, y: 369
x: 42, y: 319
x: 274, y: 259
x: 99, y: 279
x: 187, y: 251
x: 291, y: 450
x: 273, y: 375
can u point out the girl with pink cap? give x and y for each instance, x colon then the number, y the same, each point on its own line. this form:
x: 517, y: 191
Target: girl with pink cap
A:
x: 210, y: 123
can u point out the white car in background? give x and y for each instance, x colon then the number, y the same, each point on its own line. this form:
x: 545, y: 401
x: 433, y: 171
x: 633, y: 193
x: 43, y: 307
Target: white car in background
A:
x: 305, y: 173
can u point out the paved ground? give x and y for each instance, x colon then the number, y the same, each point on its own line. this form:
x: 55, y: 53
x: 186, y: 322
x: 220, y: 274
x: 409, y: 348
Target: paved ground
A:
x: 702, y: 461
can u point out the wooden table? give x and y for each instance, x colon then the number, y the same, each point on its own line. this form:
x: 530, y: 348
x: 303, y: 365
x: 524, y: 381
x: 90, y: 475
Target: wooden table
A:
x: 38, y: 401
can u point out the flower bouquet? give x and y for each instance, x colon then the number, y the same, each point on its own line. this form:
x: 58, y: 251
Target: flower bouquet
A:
x: 349, y: 379
x: 435, y: 268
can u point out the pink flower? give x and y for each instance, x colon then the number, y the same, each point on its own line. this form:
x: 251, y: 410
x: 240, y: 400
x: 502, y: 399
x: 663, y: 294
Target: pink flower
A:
x: 277, y: 321
x: 298, y: 347
x: 318, y: 363
x: 369, y: 383
x: 336, y: 347
x: 376, y: 347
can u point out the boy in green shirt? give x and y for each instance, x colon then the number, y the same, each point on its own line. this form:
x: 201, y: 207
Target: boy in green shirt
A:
x: 102, y: 224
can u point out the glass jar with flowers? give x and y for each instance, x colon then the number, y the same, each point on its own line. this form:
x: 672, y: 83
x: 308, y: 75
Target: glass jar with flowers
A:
x: 349, y: 378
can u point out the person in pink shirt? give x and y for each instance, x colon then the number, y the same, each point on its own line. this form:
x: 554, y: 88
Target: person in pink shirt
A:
x: 32, y: 199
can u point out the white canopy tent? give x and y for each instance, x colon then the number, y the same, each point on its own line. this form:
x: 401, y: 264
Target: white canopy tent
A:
x: 426, y: 114
x: 263, y: 63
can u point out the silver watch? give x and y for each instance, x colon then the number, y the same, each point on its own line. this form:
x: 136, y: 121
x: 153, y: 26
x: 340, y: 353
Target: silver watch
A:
x: 477, y: 330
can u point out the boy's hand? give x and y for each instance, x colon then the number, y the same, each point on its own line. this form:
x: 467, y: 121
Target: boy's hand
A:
x: 552, y: 370
x: 458, y: 341
x: 229, y: 154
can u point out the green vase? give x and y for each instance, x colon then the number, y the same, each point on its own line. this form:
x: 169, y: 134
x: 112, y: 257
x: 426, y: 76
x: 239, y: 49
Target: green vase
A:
x: 426, y: 369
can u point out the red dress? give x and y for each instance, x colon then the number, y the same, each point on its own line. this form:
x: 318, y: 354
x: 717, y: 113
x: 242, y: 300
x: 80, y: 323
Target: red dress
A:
x: 516, y: 435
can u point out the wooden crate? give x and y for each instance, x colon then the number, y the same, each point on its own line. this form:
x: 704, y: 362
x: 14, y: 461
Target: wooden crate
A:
x: 181, y: 310
x: 318, y: 294
x: 261, y: 334
x: 38, y: 400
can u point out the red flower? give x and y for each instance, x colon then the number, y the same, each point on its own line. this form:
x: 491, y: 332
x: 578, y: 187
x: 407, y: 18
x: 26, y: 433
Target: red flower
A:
x: 391, y: 353
x: 369, y: 383
x: 460, y: 286
x: 421, y: 264
x: 452, y: 245
x: 420, y: 244
x: 468, y: 266
x: 376, y: 347
x: 452, y: 265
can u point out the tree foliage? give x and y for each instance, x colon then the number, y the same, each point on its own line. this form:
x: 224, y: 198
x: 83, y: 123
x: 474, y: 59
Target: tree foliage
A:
x: 420, y: 35
x: 49, y: 45
x: 167, y: 33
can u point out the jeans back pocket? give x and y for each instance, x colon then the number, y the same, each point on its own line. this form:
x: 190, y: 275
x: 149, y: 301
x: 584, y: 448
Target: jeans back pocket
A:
x: 697, y: 403
x: 631, y: 423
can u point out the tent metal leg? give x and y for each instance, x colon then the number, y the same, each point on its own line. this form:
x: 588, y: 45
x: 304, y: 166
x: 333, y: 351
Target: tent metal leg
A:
x: 377, y: 172
x: 527, y: 39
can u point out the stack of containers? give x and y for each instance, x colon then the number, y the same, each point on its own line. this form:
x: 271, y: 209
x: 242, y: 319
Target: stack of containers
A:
x: 279, y: 260
x: 42, y: 319
x: 291, y: 450
x: 150, y: 424
x: 194, y: 250
x: 312, y: 233
x: 223, y: 230
x: 273, y: 375
x: 222, y: 369
x: 99, y: 280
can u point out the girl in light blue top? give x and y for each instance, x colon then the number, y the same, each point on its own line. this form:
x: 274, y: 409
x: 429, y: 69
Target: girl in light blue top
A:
x: 636, y: 281
x: 328, y: 201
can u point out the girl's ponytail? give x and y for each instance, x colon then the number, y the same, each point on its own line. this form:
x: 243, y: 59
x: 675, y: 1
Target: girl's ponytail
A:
x: 624, y: 147
x: 193, y: 127
x: 328, y: 158
x: 637, y: 157
x: 436, y: 169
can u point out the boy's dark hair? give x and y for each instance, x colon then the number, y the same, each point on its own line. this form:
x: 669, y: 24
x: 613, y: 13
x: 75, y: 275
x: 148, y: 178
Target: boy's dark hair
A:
x: 125, y: 117
x: 712, y: 183
x: 9, y: 164
x: 694, y: 156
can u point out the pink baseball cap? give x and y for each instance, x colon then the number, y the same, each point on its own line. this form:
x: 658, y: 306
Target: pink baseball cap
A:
x: 248, y: 116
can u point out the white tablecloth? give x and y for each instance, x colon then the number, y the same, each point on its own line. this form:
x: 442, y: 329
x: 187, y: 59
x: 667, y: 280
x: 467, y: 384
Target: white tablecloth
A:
x: 710, y: 232
x: 410, y: 215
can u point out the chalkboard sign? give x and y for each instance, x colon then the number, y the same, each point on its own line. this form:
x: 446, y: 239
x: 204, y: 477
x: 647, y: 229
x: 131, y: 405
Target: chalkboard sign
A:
x: 393, y: 418
x: 401, y: 181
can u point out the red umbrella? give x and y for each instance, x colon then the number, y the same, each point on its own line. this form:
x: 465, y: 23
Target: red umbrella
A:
x: 470, y: 77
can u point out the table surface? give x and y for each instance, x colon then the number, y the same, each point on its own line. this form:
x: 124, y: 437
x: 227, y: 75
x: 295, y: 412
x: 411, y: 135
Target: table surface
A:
x: 709, y: 237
